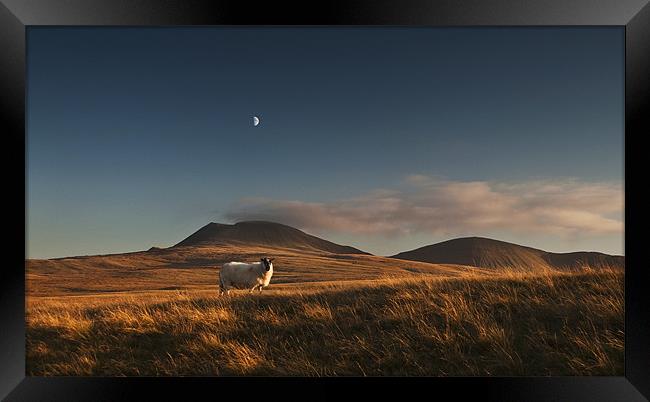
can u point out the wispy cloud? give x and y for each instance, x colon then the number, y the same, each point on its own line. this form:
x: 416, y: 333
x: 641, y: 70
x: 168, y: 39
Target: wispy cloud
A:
x: 432, y: 205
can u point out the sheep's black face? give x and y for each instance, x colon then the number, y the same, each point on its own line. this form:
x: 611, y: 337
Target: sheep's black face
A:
x: 267, y: 264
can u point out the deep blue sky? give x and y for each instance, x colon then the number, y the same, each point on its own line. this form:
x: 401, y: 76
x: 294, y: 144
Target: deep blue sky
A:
x: 139, y: 136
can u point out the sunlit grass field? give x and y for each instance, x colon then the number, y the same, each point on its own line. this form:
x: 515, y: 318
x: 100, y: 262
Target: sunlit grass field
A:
x: 506, y: 324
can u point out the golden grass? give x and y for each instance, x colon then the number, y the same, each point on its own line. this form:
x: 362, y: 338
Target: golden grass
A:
x: 506, y: 323
x: 190, y: 268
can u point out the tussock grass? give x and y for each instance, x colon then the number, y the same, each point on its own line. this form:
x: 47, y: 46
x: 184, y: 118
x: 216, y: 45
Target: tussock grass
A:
x: 511, y: 323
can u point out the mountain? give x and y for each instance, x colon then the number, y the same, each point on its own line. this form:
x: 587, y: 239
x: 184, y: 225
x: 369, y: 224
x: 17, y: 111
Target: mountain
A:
x: 489, y: 253
x: 262, y: 233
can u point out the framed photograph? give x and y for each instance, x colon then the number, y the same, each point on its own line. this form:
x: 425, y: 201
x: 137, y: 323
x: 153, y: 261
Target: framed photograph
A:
x: 233, y: 195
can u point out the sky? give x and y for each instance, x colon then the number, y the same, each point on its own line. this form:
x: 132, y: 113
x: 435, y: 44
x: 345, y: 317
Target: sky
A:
x: 385, y: 139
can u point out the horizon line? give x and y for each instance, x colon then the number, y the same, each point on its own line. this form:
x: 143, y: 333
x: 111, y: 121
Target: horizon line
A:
x: 303, y: 231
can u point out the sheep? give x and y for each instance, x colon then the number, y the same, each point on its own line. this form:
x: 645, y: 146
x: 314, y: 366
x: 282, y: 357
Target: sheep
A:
x: 243, y: 275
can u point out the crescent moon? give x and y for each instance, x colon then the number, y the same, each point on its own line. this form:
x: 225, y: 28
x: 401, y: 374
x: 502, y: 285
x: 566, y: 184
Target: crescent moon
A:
x: 256, y: 120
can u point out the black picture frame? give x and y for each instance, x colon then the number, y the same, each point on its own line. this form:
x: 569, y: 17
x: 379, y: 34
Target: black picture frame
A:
x: 17, y: 15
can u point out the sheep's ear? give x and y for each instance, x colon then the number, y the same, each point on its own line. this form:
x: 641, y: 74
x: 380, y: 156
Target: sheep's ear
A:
x: 271, y: 259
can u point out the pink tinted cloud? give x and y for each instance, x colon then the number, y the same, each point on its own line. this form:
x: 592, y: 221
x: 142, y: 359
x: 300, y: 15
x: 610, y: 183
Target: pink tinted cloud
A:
x: 436, y: 206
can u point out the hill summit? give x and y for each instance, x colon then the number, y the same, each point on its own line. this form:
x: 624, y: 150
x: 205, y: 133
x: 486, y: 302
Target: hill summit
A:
x: 262, y: 233
x: 490, y: 253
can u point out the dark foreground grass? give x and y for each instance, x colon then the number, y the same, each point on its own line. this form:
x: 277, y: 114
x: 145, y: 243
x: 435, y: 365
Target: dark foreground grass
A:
x: 515, y: 324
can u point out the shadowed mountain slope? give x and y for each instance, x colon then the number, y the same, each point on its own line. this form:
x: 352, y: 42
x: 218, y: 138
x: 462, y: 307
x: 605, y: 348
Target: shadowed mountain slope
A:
x: 262, y: 233
x: 489, y: 253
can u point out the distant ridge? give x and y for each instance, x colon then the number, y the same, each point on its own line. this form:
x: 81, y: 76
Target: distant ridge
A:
x: 490, y: 253
x: 264, y: 234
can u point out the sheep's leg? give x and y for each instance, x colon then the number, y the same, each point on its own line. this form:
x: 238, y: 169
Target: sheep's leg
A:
x: 260, y: 288
x: 225, y: 289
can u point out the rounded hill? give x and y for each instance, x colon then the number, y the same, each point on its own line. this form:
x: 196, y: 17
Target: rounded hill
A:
x: 490, y: 253
x: 262, y: 233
